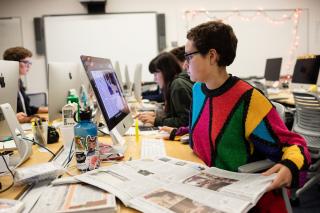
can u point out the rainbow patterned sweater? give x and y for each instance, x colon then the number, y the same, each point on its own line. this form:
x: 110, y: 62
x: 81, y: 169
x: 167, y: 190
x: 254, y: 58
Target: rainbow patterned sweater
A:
x: 235, y: 124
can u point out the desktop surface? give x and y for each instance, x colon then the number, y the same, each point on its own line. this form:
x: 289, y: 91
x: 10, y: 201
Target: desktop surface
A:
x: 173, y: 149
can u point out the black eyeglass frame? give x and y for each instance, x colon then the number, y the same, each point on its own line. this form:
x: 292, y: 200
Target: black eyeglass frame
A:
x: 188, y: 56
x: 26, y: 62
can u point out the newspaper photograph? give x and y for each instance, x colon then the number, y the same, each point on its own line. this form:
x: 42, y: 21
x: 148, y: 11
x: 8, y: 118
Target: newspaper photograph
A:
x: 186, y: 198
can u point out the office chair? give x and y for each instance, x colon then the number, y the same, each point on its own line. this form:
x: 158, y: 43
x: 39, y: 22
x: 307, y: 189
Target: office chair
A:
x: 263, y: 165
x: 38, y: 99
x: 307, y: 124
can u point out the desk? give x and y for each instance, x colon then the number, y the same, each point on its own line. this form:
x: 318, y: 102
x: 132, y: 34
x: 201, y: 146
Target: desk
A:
x: 284, y: 97
x: 173, y: 148
x: 37, y: 157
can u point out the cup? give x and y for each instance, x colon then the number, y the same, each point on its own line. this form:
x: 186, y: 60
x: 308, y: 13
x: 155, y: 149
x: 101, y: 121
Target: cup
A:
x: 40, y: 133
x: 67, y: 135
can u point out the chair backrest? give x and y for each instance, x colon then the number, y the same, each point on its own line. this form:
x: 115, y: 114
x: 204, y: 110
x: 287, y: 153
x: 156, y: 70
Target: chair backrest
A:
x: 38, y: 99
x: 280, y: 109
x: 307, y: 111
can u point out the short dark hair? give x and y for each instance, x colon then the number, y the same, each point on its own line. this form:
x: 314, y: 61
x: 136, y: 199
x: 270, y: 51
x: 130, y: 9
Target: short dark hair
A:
x: 215, y: 35
x: 16, y: 54
x: 168, y: 65
x: 179, y: 53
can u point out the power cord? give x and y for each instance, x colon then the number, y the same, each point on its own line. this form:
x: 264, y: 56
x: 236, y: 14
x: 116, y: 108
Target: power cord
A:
x: 33, y: 141
x: 70, y: 150
x: 5, y: 162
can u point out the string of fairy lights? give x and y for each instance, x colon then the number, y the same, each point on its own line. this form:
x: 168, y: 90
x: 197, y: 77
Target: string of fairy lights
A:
x: 251, y: 15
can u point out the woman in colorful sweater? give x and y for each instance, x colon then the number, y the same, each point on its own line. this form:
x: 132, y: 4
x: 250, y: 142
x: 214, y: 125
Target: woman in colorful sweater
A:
x: 232, y: 123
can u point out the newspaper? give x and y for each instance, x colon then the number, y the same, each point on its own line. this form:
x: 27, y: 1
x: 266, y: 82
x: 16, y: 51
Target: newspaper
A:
x: 171, y: 185
x: 75, y: 198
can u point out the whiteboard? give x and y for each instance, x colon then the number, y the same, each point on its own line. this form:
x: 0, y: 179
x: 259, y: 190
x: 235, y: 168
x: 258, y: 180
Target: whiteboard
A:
x: 129, y: 38
x: 10, y: 33
x: 259, y: 39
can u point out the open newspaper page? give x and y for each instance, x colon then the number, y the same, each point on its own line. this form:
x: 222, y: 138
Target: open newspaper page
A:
x: 219, y: 190
x: 75, y: 198
x: 181, y: 198
x: 130, y: 179
x: 244, y: 186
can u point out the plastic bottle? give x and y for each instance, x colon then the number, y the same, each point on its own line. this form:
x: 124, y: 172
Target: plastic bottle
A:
x: 86, y: 143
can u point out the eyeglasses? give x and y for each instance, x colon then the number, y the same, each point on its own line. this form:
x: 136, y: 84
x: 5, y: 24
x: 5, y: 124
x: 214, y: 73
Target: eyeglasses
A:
x: 188, y: 56
x: 28, y: 63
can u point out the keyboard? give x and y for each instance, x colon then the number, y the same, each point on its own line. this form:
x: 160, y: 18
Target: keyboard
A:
x: 148, y: 128
x: 152, y: 148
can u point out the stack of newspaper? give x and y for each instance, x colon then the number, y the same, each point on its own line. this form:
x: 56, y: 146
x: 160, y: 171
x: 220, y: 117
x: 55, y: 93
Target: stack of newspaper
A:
x: 75, y: 198
x: 171, y: 185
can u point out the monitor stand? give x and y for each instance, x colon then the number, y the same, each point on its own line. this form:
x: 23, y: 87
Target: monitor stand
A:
x: 118, y: 141
x: 24, y: 147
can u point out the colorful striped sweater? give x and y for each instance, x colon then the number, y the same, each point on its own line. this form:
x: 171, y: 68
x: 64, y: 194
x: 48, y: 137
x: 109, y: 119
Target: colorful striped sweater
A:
x: 235, y: 124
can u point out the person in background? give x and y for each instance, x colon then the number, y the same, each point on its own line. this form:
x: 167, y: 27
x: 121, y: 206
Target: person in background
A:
x: 232, y: 123
x: 176, y: 88
x: 178, y: 52
x: 25, y: 112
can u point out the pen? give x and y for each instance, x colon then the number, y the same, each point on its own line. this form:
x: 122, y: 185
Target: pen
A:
x: 137, y: 129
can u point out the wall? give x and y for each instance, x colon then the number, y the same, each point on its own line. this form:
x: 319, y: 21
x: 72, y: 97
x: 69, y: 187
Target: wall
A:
x: 173, y: 9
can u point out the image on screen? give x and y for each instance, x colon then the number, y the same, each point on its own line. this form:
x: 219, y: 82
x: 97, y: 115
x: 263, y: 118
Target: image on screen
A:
x: 306, y: 71
x: 107, y: 89
x: 273, y: 67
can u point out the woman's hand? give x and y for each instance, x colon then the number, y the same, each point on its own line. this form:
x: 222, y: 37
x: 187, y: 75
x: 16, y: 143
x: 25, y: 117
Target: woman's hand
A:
x: 167, y: 129
x: 283, y: 178
x: 147, y: 117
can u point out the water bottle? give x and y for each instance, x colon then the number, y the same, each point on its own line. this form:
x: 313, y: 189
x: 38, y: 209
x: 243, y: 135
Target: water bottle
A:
x: 86, y: 143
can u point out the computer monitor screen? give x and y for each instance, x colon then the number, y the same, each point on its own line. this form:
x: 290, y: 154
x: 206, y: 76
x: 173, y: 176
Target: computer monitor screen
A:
x: 107, y: 90
x: 62, y: 78
x: 128, y: 82
x: 306, y: 71
x: 137, y: 82
x: 9, y: 78
x: 272, y: 70
x: 118, y: 73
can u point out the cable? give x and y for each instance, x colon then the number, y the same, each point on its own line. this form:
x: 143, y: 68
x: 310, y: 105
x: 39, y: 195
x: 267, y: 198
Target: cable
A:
x: 70, y: 150
x: 40, y: 145
x: 5, y: 162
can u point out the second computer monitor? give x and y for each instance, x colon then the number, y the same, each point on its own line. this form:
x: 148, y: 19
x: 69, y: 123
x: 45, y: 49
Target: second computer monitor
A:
x: 107, y: 90
x: 306, y: 71
x: 9, y: 78
x: 137, y: 90
x: 62, y: 78
x: 273, y: 68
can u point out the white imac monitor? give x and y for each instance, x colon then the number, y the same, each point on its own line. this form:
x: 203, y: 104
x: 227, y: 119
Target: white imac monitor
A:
x: 272, y: 70
x: 62, y: 78
x: 106, y: 87
x: 137, y: 82
x: 24, y: 147
x: 305, y: 74
x: 9, y: 78
x: 118, y: 73
x: 128, y: 81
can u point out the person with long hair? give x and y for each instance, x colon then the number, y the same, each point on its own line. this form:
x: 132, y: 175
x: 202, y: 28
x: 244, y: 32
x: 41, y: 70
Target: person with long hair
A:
x: 176, y: 88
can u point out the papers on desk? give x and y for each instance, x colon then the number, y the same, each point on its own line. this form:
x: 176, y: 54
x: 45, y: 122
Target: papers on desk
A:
x: 167, y: 184
x: 7, y: 205
x: 273, y: 90
x: 7, y: 146
x: 75, y: 198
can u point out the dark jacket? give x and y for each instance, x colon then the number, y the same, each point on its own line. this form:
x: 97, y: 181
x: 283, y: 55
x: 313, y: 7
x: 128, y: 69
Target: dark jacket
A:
x: 179, y: 104
x: 30, y: 110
